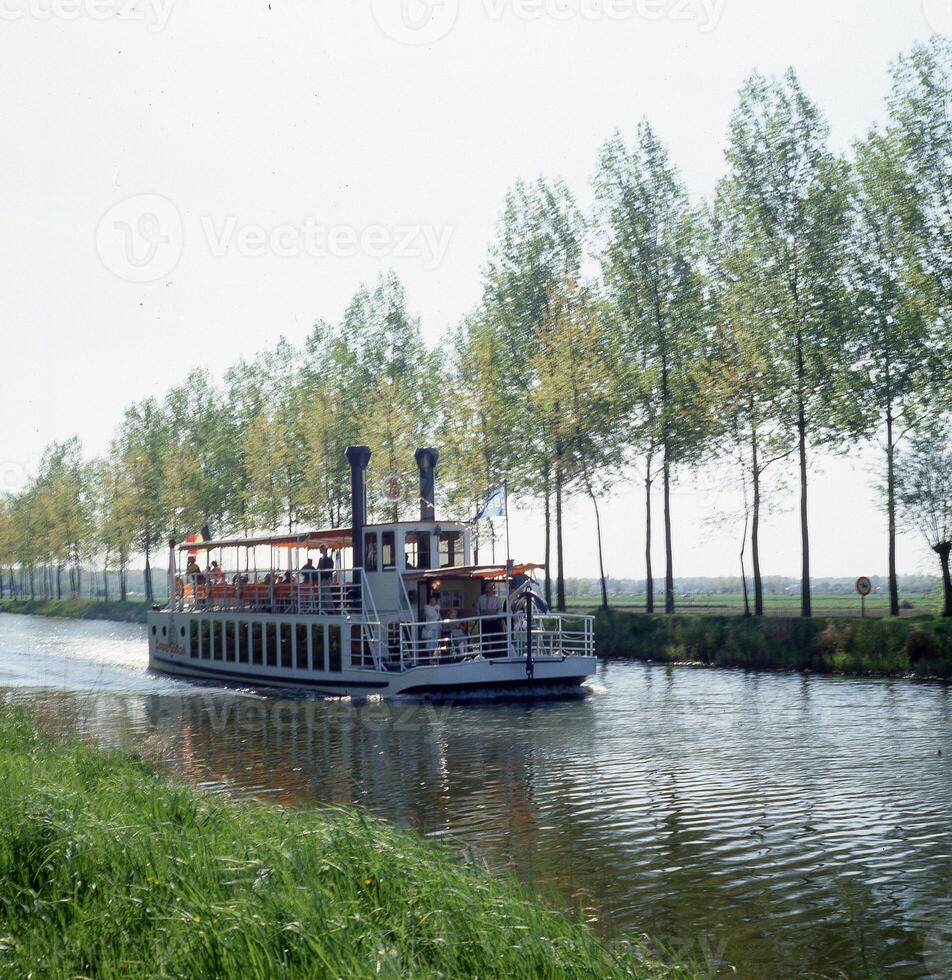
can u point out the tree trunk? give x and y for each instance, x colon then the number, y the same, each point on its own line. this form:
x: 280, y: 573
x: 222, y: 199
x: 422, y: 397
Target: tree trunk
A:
x: 668, y: 553
x: 559, y: 554
x: 891, y: 512
x: 944, y: 550
x: 743, y: 572
x: 601, y: 557
x: 122, y: 583
x: 806, y: 607
x: 755, y: 526
x: 59, y: 581
x: 105, y: 582
x: 548, y: 544
x: 649, y: 574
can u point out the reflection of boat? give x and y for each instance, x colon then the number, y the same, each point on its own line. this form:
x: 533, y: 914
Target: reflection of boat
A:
x: 361, y: 625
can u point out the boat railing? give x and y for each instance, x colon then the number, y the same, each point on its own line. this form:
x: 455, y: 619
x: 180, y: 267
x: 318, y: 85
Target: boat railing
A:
x: 341, y: 593
x: 506, y: 636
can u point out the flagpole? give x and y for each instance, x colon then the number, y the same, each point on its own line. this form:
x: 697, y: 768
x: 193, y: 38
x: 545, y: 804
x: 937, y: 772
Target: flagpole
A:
x: 505, y: 491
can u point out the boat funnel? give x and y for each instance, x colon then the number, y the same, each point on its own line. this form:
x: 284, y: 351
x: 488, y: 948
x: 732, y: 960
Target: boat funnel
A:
x: 426, y: 461
x: 359, y: 459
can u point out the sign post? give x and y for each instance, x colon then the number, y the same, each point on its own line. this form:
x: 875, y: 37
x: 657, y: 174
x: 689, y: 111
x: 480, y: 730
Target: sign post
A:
x: 863, y: 586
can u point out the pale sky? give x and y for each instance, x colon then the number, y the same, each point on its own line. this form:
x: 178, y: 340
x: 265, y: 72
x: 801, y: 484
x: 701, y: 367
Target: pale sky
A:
x: 181, y: 183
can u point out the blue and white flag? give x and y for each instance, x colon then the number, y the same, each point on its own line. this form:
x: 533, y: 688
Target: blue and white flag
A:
x: 493, y: 506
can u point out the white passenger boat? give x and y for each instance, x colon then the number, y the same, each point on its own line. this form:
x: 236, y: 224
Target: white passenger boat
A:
x: 359, y: 623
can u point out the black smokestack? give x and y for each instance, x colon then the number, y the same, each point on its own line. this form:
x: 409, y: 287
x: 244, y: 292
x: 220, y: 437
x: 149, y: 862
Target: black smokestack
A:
x: 359, y: 459
x: 426, y: 461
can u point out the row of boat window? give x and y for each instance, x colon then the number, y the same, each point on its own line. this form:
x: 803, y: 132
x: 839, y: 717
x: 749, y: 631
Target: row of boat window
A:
x: 301, y: 646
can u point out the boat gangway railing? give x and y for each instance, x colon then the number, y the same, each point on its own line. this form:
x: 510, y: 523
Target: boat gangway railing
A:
x: 505, y: 636
x: 344, y: 592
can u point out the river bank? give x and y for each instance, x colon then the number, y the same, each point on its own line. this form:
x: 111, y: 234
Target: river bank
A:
x: 109, y: 869
x: 861, y: 647
x: 131, y: 611
x: 919, y: 647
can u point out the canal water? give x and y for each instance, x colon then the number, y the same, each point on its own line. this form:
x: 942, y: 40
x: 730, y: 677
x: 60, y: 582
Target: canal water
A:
x: 772, y: 825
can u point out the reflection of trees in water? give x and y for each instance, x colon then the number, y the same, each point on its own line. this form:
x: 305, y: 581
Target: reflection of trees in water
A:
x: 724, y: 832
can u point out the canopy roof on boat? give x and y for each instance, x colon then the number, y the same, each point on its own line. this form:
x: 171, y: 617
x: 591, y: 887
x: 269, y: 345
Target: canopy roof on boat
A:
x: 471, y: 572
x: 336, y: 538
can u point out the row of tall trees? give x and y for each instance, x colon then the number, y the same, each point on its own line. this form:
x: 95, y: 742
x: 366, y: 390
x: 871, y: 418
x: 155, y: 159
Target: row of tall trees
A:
x: 804, y: 308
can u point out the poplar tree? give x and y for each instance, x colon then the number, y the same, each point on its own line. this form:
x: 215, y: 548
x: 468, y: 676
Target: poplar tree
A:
x: 792, y: 204
x: 653, y: 242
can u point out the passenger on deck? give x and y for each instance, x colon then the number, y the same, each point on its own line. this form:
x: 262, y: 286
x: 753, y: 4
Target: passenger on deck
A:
x: 325, y: 566
x: 216, y: 575
x: 193, y: 572
x: 455, y: 632
x: 430, y: 633
x: 308, y: 571
x: 489, y: 606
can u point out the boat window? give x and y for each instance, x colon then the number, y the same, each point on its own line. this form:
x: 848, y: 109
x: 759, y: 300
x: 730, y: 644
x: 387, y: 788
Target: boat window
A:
x: 286, y: 660
x: 370, y: 552
x: 271, y: 644
x: 257, y: 644
x: 388, y: 550
x: 334, y: 648
x: 243, y: 643
x: 451, y: 549
x: 230, y: 641
x: 218, y: 637
x: 300, y: 646
x: 317, y: 647
x: 193, y: 650
x: 412, y: 550
x: 206, y: 635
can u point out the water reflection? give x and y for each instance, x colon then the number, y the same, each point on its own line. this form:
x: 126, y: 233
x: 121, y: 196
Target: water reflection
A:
x: 782, y: 824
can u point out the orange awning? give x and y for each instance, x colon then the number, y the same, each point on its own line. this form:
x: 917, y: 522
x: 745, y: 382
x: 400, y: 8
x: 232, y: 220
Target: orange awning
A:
x: 472, y: 572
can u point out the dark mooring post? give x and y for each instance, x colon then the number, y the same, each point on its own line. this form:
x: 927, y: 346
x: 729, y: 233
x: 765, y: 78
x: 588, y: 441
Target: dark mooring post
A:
x: 426, y: 461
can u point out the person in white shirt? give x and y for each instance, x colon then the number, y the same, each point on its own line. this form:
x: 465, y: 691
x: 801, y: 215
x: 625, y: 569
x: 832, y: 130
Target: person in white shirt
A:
x: 489, y: 606
x: 432, y: 621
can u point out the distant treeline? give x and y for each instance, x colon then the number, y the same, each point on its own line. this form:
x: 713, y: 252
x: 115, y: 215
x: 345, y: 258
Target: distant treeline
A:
x: 805, y: 308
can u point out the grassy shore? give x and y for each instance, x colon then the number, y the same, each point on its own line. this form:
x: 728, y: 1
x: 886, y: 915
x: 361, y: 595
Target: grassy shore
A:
x: 133, y: 611
x: 882, y: 647
x: 109, y: 870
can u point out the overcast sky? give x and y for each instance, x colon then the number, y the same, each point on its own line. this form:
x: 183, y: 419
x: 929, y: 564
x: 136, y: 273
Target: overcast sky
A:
x: 181, y: 183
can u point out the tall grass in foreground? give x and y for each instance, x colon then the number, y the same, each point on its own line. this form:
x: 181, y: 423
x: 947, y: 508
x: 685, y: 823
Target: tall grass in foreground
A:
x: 109, y: 870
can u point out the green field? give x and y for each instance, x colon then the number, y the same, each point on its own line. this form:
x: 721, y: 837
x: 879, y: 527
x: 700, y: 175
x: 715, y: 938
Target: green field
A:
x: 915, y: 604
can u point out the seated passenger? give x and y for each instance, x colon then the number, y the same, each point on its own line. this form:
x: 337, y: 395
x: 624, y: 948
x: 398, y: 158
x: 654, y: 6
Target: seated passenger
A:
x: 308, y: 571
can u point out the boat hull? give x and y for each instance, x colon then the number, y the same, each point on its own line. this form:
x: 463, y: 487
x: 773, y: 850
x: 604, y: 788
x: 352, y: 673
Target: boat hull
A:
x: 170, y: 653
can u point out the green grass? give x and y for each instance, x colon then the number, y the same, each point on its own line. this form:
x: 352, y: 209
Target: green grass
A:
x: 916, y: 604
x: 109, y: 870
x: 882, y: 647
x: 133, y: 611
